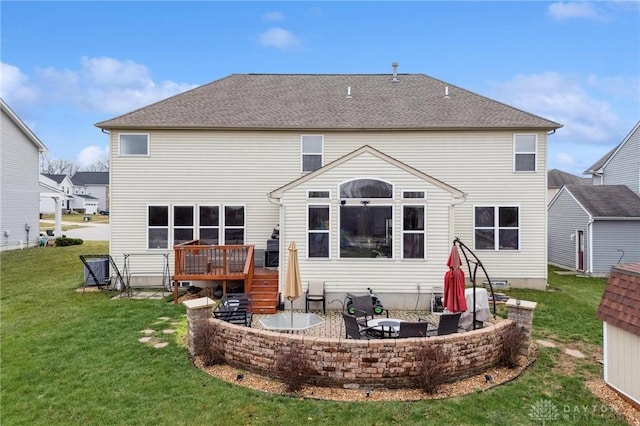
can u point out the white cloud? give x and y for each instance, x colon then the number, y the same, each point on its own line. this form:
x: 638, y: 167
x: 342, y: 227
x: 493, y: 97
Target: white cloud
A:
x: 273, y: 16
x: 279, y: 38
x: 564, y: 99
x: 103, y: 84
x: 15, y: 87
x: 570, y: 10
x: 91, y: 155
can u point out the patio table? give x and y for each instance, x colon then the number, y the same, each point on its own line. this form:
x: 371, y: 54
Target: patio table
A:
x: 386, y: 326
x: 287, y: 321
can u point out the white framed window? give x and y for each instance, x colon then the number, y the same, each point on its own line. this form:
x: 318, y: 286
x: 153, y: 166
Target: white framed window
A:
x: 183, y: 224
x: 319, y: 194
x: 312, y: 148
x: 366, y: 218
x: 158, y: 227
x: 413, y: 232
x: 318, y: 230
x: 413, y: 195
x: 234, y: 225
x: 209, y: 224
x: 133, y: 144
x: 525, y: 153
x: 496, y: 227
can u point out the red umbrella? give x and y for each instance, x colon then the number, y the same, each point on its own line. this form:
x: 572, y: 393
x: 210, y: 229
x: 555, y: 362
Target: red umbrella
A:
x: 454, y: 300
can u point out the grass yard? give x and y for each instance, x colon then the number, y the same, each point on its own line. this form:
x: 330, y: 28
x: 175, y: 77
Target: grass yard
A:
x: 69, y: 358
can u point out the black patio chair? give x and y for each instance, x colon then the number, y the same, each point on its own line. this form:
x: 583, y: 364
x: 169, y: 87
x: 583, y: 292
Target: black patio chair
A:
x: 235, y: 308
x: 413, y: 329
x: 353, y: 330
x: 363, y: 309
x: 448, y: 325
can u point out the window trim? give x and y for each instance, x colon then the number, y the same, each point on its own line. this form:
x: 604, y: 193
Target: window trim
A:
x: 375, y: 202
x: 224, y: 226
x: 309, y: 197
x: 303, y: 153
x: 193, y: 227
x: 318, y: 231
x: 496, y: 227
x: 423, y: 232
x: 199, y: 226
x: 120, y: 154
x: 534, y: 152
x: 168, y: 227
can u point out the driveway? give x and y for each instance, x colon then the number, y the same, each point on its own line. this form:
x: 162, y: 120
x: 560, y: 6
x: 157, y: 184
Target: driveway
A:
x: 88, y: 232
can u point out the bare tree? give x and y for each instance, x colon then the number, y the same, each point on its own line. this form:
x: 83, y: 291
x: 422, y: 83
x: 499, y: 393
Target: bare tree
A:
x: 98, y: 166
x: 57, y: 166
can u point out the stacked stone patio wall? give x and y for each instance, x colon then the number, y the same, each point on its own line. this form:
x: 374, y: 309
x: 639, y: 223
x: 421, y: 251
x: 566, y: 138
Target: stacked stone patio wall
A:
x: 389, y: 363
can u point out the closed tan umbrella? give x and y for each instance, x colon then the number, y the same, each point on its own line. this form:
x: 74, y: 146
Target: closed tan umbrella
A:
x: 293, y: 283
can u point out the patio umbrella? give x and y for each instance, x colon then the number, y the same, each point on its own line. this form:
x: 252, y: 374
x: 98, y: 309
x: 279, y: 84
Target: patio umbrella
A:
x: 453, y: 298
x: 293, y: 283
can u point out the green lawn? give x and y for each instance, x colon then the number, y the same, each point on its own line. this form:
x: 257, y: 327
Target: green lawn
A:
x: 74, y: 359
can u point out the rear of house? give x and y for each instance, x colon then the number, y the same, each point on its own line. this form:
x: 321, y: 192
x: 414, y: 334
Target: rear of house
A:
x: 372, y: 176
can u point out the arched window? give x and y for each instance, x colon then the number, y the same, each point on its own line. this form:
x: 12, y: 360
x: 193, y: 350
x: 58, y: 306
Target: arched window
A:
x: 366, y: 188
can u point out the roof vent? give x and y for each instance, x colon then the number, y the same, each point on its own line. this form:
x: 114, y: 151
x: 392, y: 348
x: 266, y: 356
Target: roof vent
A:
x: 446, y: 92
x: 395, y: 72
x: 349, y: 92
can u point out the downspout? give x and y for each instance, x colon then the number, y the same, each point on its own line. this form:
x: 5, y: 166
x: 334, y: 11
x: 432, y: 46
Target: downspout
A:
x: 460, y: 200
x: 283, y: 230
x: 590, y: 230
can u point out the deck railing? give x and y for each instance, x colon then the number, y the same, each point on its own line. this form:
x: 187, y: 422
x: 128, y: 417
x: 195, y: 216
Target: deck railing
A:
x: 194, y: 261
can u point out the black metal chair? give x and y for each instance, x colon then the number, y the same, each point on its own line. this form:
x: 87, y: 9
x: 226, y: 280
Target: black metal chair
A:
x: 316, y: 293
x: 413, y: 329
x: 363, y: 309
x: 448, y: 325
x: 235, y: 308
x: 353, y: 330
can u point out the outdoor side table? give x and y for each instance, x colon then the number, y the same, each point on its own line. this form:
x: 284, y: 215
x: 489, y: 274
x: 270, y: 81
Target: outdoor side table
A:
x: 287, y: 321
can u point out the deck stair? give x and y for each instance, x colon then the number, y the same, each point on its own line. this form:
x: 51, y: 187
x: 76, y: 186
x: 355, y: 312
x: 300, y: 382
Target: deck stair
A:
x: 264, y: 291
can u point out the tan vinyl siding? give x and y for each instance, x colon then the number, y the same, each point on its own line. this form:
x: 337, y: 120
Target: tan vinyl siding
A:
x: 243, y: 167
x: 384, y: 275
x: 622, y: 361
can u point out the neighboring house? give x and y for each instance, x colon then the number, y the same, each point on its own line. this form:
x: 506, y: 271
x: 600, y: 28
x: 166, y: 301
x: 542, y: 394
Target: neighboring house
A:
x: 621, y: 165
x: 373, y: 176
x: 84, y: 203
x: 63, y: 184
x: 95, y: 184
x: 20, y: 152
x: 51, y: 200
x: 620, y: 311
x: 594, y: 227
x: 556, y: 179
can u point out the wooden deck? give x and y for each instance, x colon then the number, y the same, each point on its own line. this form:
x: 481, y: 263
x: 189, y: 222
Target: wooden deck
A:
x: 198, y: 262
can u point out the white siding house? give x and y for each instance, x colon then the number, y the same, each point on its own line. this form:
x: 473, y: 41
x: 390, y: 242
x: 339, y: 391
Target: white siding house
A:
x: 372, y: 176
x: 19, y: 188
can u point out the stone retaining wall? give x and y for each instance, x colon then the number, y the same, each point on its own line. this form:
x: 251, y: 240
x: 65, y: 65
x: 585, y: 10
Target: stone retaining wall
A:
x: 387, y: 363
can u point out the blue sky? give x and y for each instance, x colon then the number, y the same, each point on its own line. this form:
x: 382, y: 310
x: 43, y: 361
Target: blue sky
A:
x: 68, y: 65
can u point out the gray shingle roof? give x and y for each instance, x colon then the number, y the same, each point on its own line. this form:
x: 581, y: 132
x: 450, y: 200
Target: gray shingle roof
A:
x: 320, y: 101
x: 598, y: 164
x: 607, y: 201
x: 557, y: 179
x: 90, y: 178
x: 56, y: 178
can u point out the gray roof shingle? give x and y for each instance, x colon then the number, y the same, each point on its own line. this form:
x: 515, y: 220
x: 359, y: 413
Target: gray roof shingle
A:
x: 607, y: 201
x: 320, y: 101
x: 557, y: 179
x: 90, y: 178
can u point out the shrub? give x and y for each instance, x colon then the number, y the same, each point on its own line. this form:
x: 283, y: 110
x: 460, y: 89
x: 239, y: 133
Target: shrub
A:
x: 512, y: 340
x: 293, y: 368
x: 64, y: 241
x: 431, y: 361
x: 208, y: 344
